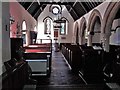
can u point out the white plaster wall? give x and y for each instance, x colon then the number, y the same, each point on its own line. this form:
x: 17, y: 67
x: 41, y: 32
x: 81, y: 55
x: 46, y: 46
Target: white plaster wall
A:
x: 6, y: 52
x: 114, y: 39
x: 20, y: 14
x: 102, y: 8
x: 96, y: 38
x: 115, y: 35
x: 0, y: 45
x: 65, y: 14
x: 87, y: 18
x: 115, y: 23
x: 75, y: 26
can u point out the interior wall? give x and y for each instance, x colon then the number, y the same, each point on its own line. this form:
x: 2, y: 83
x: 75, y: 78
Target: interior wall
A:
x: 115, y: 35
x: 97, y: 28
x: 0, y: 43
x: 62, y: 38
x: 114, y: 39
x: 6, y: 52
x: 20, y: 14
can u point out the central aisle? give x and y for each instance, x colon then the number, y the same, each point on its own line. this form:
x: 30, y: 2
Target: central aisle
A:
x: 60, y: 74
x: 62, y: 77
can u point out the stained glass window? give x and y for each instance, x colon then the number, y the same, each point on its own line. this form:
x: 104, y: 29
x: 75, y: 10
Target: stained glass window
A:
x: 24, y: 28
x: 47, y: 26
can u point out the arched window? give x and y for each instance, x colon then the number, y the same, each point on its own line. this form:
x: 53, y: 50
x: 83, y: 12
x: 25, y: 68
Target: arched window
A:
x: 35, y: 29
x: 64, y: 26
x: 62, y: 30
x: 47, y: 24
x: 24, y: 28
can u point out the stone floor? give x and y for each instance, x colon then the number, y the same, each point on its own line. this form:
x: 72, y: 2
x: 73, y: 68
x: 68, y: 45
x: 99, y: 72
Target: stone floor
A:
x: 60, y: 74
x: 62, y: 78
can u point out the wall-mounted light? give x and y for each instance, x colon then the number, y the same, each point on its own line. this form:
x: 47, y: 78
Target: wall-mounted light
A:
x: 97, y: 31
x: 12, y: 20
x: 92, y: 33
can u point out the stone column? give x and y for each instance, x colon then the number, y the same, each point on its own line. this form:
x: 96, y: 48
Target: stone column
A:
x: 89, y: 42
x: 106, y: 37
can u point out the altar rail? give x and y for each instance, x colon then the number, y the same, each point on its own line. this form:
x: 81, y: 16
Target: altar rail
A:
x: 42, y: 41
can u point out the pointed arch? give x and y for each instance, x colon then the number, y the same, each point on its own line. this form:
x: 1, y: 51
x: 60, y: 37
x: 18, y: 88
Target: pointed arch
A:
x: 64, y: 25
x: 24, y: 32
x: 82, y: 26
x: 47, y: 17
x: 92, y: 19
x: 47, y: 25
x: 82, y: 31
x: 95, y: 21
x: 109, y: 16
x: 76, y: 33
x: 63, y: 18
x: 24, y: 25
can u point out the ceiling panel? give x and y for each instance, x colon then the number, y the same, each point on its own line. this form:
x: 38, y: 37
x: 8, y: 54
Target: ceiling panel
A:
x: 73, y: 14
x: 79, y: 9
x: 76, y: 9
x: 32, y: 8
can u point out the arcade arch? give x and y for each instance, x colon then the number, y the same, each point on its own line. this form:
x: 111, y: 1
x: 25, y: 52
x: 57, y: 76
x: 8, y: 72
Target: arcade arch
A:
x: 75, y: 33
x: 83, y: 31
x: 94, y: 27
x: 108, y: 18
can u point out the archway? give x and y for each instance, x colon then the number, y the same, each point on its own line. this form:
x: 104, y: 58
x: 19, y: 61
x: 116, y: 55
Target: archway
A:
x: 108, y: 18
x: 94, y: 27
x: 115, y: 30
x: 24, y: 33
x: 75, y: 33
x: 96, y: 30
x: 83, y: 31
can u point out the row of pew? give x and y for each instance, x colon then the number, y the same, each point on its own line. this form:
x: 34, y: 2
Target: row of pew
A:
x: 93, y: 63
x: 15, y: 76
x: 112, y: 65
x: 39, y: 57
x: 16, y: 71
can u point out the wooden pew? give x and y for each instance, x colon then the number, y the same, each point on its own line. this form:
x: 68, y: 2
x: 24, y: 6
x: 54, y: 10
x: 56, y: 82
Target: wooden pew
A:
x: 86, y: 60
x: 112, y: 65
x: 73, y: 56
x: 15, y: 76
x: 39, y: 58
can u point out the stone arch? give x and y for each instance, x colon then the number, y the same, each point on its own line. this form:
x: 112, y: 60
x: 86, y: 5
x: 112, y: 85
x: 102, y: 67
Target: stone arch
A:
x: 109, y: 15
x: 94, y: 18
x: 82, y: 30
x: 75, y: 27
x: 108, y: 18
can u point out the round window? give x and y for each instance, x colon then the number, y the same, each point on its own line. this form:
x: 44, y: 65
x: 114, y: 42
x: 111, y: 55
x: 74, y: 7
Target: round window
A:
x: 55, y: 10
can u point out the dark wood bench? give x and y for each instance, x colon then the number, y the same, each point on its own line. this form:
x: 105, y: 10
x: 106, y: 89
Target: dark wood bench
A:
x: 73, y: 56
x: 39, y: 54
x: 112, y: 65
x: 15, y: 76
